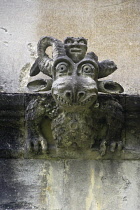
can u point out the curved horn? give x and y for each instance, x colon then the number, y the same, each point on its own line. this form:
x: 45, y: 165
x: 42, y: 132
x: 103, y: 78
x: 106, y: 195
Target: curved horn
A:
x: 45, y: 42
x: 44, y: 62
x: 109, y: 86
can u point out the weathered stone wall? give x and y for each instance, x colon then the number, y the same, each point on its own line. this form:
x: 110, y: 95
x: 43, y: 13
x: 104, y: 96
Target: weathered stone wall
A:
x: 111, y: 27
x: 112, y: 30
x: 69, y: 185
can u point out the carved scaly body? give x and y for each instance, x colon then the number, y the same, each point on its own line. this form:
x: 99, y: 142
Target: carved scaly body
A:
x: 72, y: 129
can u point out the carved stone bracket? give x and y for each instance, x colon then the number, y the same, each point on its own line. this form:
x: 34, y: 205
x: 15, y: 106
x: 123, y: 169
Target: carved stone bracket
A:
x: 79, y: 120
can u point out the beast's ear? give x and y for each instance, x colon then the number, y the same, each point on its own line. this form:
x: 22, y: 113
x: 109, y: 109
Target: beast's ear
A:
x: 106, y: 67
x: 109, y: 86
x: 39, y: 83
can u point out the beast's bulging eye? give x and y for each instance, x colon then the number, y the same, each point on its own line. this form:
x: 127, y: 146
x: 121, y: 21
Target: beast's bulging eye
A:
x: 62, y: 67
x: 87, y: 68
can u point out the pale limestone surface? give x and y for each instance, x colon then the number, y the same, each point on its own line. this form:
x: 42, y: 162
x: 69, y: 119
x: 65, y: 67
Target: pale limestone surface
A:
x: 70, y: 185
x: 111, y: 27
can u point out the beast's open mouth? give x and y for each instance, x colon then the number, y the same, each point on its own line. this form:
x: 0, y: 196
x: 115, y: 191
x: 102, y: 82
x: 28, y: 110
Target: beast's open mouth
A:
x: 62, y: 101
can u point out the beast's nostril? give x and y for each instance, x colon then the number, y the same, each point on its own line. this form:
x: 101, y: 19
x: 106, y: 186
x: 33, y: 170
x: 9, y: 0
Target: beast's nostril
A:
x: 81, y: 94
x: 68, y: 94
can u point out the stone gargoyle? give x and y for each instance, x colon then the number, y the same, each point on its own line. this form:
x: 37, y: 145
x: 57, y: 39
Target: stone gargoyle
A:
x: 79, y: 119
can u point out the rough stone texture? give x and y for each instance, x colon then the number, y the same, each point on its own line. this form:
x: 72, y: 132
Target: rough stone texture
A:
x: 13, y: 131
x: 71, y: 184
x: 112, y: 28
x: 11, y: 124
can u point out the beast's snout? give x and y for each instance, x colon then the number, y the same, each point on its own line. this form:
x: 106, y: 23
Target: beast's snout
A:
x: 74, y: 96
x: 77, y: 91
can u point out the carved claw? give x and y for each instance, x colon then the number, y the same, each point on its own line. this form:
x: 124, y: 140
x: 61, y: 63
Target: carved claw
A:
x: 31, y: 146
x: 113, y: 146
x: 120, y: 145
x: 44, y: 146
x: 116, y: 145
x: 103, y: 148
x: 35, y: 145
x: 28, y: 146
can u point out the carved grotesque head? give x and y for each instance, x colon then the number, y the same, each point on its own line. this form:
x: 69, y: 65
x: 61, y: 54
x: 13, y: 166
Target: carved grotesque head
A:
x: 75, y: 48
x: 74, y: 73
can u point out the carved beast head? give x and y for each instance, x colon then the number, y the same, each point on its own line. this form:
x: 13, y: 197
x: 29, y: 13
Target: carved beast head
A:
x: 75, y: 84
x: 74, y: 73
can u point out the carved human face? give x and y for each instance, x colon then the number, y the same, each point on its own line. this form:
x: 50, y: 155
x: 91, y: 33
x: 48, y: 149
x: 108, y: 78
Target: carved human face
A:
x: 75, y: 85
x: 75, y: 48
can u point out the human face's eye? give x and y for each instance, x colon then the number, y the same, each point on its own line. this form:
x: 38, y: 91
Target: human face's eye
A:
x: 82, y: 41
x: 69, y: 41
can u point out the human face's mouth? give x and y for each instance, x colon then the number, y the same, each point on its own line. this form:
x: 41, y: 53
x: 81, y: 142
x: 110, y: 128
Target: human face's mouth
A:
x: 75, y: 50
